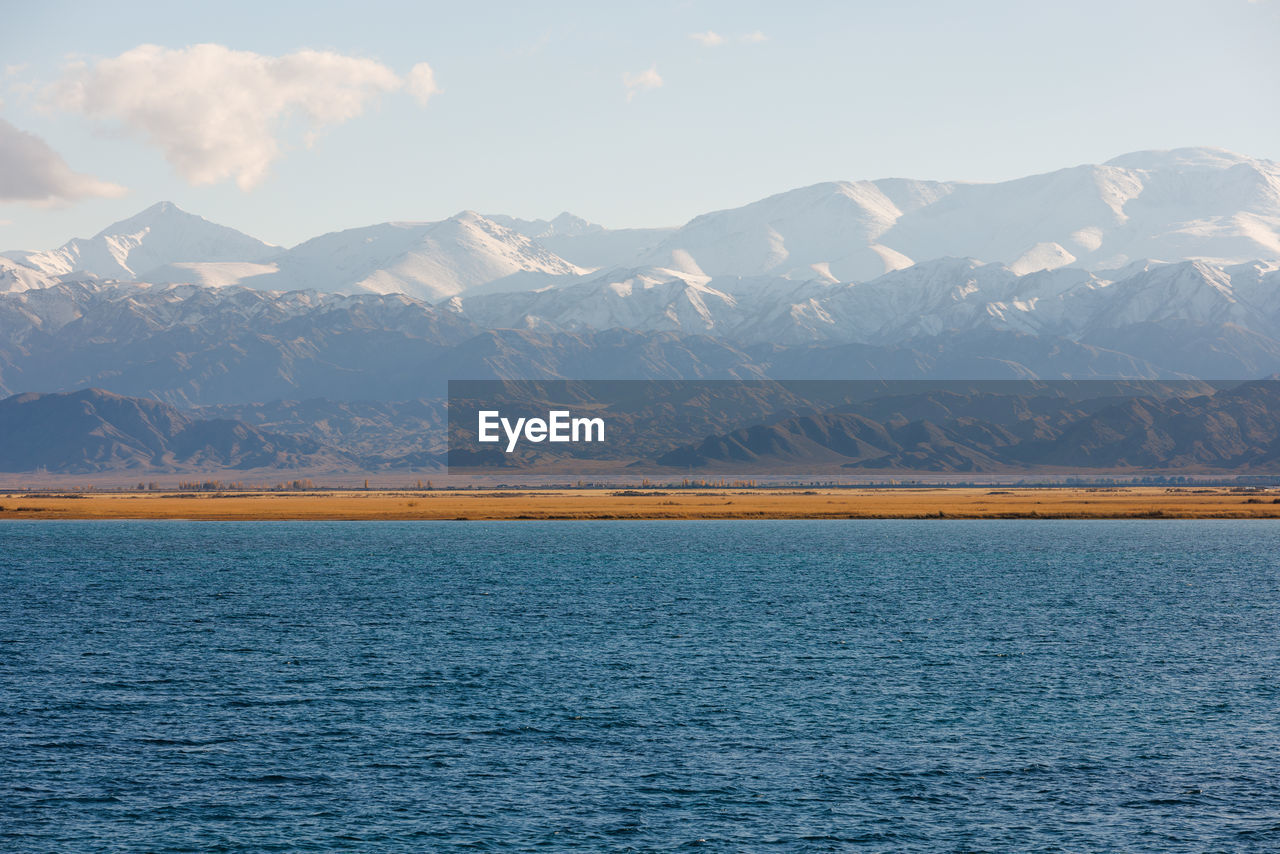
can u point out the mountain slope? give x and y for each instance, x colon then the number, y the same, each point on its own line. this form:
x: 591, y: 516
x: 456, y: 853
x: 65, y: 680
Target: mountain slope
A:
x: 19, y: 277
x: 463, y: 254
x: 1203, y: 204
x: 186, y: 344
x: 931, y: 298
x: 829, y: 231
x: 584, y: 243
x: 1236, y: 429
x: 93, y: 430
x: 162, y: 234
x: 1194, y: 204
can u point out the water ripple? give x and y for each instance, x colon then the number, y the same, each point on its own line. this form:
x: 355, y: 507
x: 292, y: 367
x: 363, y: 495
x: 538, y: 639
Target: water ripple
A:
x: 792, y: 686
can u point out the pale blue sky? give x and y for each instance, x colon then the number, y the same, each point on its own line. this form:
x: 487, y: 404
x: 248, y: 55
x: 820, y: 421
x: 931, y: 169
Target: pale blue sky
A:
x: 533, y: 116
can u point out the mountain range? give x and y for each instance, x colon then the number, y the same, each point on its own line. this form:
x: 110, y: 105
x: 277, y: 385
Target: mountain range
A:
x: 749, y: 429
x: 1190, y: 236
x: 92, y: 430
x: 1186, y: 204
x: 1159, y: 264
x: 1235, y: 429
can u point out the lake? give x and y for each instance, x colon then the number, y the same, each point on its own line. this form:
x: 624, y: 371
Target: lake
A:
x: 613, y: 686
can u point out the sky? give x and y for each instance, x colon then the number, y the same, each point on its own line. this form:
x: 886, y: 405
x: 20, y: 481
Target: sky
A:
x: 287, y: 119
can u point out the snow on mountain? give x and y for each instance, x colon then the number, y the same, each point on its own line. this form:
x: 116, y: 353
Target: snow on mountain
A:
x: 162, y: 234
x: 121, y: 311
x: 1187, y: 291
x: 951, y: 295
x: 17, y: 277
x: 209, y: 274
x: 432, y: 260
x: 1042, y: 256
x: 564, y: 225
x: 584, y: 243
x: 931, y: 298
x: 1186, y: 204
x: 651, y: 299
x: 738, y: 269
x: 1204, y: 204
x: 946, y: 316
x: 828, y: 230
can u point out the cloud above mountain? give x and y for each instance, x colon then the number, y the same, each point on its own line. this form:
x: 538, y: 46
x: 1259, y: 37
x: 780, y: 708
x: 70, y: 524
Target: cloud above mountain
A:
x: 220, y: 114
x: 31, y: 171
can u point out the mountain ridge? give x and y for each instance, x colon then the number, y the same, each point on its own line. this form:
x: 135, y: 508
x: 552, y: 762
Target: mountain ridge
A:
x: 159, y: 235
x: 1234, y: 429
x: 91, y: 430
x: 786, y: 286
x: 1181, y: 204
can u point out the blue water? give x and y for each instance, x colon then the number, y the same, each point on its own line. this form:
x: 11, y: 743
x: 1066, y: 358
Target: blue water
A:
x: 811, y: 686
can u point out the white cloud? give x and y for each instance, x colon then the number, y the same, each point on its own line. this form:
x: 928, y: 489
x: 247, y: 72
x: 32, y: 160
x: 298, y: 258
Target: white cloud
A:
x: 31, y: 171
x: 713, y: 39
x: 218, y: 113
x: 641, y: 81
x: 421, y: 83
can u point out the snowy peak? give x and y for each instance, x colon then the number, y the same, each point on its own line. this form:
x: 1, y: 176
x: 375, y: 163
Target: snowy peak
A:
x: 937, y: 297
x: 583, y: 243
x: 830, y: 230
x: 431, y: 260
x: 15, y: 277
x: 1196, y: 203
x: 157, y: 215
x: 1187, y: 204
x: 564, y: 225
x: 1158, y: 160
x: 162, y: 234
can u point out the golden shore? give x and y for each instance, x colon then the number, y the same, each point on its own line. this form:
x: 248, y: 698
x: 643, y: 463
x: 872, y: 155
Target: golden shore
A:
x: 756, y: 503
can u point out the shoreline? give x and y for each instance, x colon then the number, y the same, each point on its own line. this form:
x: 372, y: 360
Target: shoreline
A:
x: 654, y: 504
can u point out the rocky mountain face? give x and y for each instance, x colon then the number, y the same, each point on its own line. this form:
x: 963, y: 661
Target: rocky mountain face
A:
x: 1236, y: 429
x: 191, y: 345
x: 93, y: 431
x: 942, y: 296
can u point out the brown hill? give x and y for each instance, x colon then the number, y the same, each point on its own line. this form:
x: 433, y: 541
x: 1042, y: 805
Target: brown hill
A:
x: 92, y: 430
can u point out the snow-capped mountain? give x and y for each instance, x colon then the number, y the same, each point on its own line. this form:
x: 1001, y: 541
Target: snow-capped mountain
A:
x: 831, y: 231
x: 191, y: 345
x: 1197, y: 203
x: 166, y: 245
x: 935, y: 297
x: 131, y: 249
x: 649, y: 299
x: 585, y: 243
x: 19, y: 277
x: 97, y: 310
x: 466, y: 253
x: 1150, y: 237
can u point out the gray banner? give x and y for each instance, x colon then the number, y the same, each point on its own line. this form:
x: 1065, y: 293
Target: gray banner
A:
x: 774, y: 428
